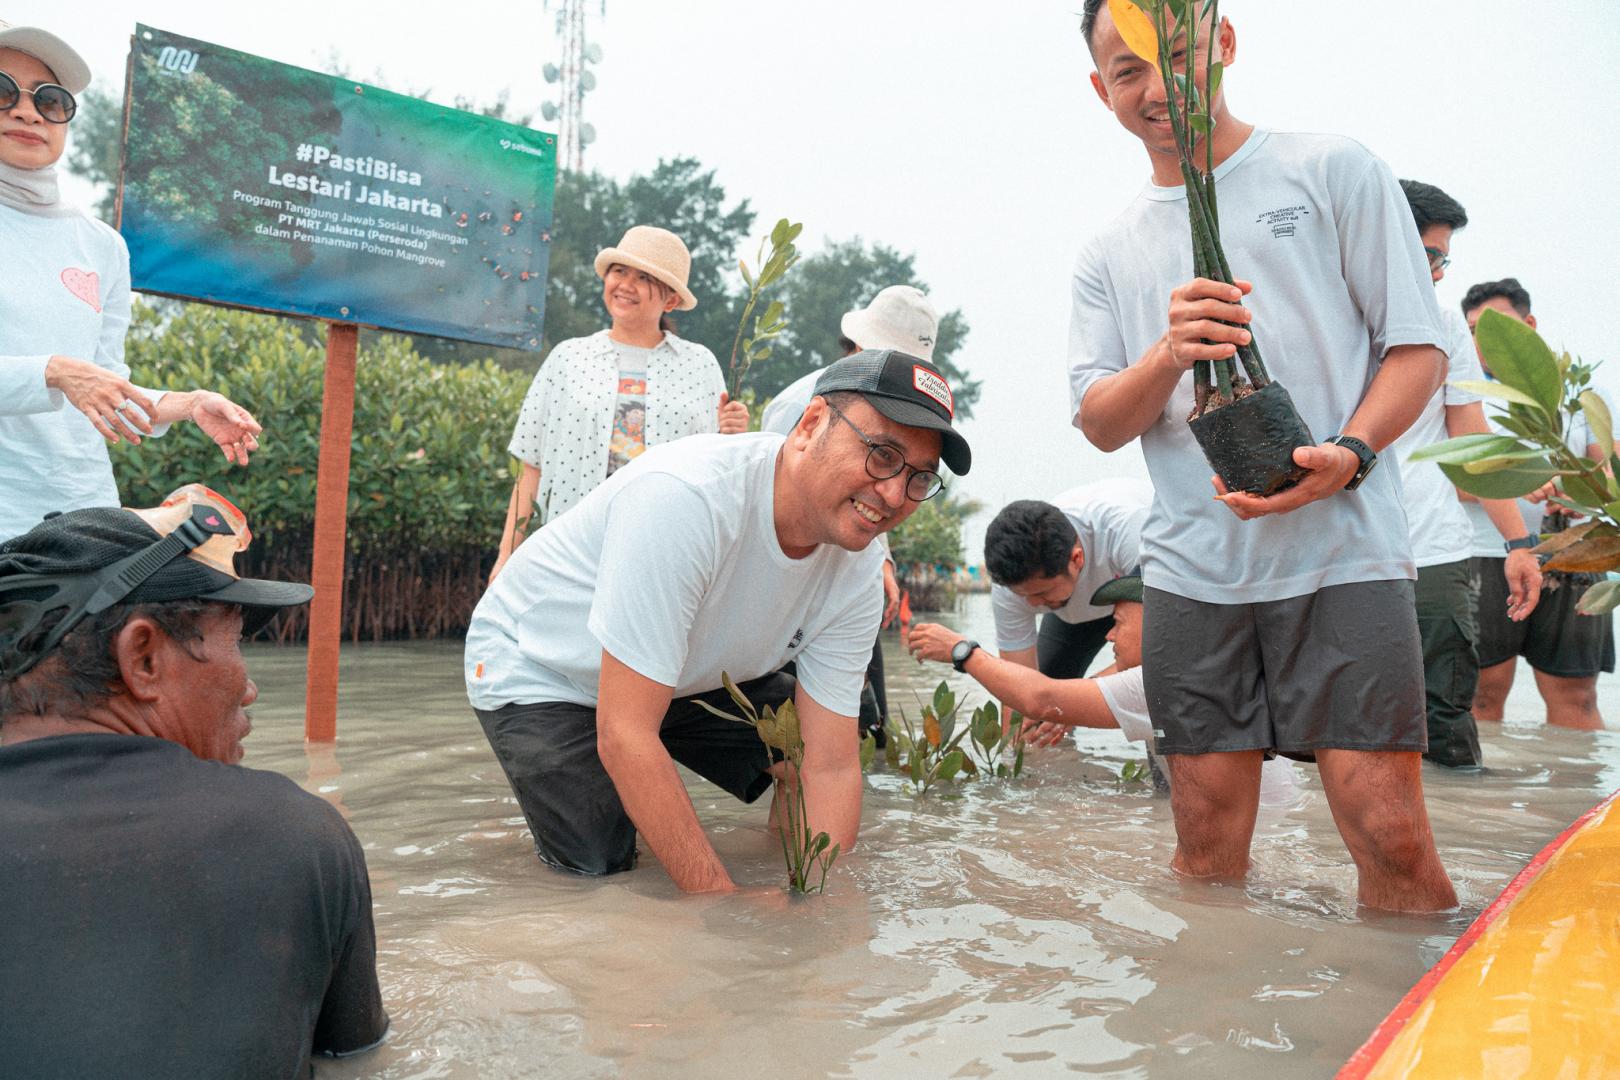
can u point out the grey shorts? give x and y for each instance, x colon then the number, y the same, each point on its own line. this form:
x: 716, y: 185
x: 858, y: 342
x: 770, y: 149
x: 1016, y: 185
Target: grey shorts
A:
x: 1341, y: 669
x: 1556, y: 639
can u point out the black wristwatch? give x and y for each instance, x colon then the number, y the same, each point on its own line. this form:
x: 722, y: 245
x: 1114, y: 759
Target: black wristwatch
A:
x: 1364, y: 454
x: 1522, y: 542
x: 960, y: 653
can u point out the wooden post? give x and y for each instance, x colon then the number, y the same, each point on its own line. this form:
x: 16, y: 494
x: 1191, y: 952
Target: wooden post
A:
x: 331, y: 533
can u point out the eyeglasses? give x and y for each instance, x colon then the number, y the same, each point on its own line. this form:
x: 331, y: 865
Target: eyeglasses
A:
x: 1438, y: 260
x: 884, y: 462
x: 53, y: 102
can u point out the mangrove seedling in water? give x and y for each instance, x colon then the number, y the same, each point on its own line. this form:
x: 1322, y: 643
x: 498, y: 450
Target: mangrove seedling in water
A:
x: 1244, y: 421
x: 1134, y: 772
x: 1543, y: 395
x: 936, y: 751
x: 745, y: 350
x: 804, y: 852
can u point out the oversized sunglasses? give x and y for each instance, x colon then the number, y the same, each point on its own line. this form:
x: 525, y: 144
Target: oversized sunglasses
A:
x: 52, y: 102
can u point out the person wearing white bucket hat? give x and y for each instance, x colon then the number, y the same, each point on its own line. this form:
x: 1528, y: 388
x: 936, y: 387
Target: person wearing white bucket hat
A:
x: 64, y: 312
x: 598, y: 402
x: 901, y: 318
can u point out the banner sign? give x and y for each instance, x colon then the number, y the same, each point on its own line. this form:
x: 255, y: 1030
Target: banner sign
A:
x: 256, y: 184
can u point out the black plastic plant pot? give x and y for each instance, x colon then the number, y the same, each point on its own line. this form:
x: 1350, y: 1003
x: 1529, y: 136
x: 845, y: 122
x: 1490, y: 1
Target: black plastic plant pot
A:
x: 1250, y: 443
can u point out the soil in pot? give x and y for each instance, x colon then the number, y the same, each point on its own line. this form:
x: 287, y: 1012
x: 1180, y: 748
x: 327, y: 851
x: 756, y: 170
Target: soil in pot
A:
x: 1250, y: 441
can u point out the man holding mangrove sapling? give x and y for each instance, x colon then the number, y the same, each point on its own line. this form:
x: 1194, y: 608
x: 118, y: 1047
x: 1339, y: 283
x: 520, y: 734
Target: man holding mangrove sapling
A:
x: 1565, y: 649
x: 714, y: 554
x: 1442, y: 537
x: 1284, y: 622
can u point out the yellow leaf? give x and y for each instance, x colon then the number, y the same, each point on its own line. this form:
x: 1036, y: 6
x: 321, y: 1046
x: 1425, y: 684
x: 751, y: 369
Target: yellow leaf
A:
x: 1136, y: 29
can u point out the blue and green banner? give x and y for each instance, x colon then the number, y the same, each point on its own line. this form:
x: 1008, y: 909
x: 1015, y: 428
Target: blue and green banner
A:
x: 260, y: 185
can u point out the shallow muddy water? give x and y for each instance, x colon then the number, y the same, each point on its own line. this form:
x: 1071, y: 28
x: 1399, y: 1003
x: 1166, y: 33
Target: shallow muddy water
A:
x: 1021, y: 929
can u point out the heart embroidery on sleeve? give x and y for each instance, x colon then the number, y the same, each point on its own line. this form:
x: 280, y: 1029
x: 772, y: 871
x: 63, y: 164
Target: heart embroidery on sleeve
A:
x: 85, y: 284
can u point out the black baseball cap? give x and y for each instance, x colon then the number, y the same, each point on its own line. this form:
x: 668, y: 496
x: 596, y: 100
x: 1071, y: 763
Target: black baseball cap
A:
x: 84, y: 561
x: 1125, y: 588
x: 908, y: 390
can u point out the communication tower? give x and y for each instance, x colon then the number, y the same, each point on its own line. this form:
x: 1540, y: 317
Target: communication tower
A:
x: 574, y: 79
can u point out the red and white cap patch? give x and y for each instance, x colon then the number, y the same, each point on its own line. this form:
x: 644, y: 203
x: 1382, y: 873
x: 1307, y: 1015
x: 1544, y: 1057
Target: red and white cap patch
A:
x: 935, y: 387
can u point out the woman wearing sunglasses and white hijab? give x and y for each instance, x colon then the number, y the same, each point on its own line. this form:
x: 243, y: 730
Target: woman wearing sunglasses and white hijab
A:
x: 64, y: 311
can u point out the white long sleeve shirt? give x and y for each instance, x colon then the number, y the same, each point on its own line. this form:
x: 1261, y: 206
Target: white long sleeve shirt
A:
x: 68, y: 295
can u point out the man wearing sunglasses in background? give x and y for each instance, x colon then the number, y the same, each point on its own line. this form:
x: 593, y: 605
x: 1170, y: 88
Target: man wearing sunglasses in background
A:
x: 709, y: 555
x: 64, y: 310
x: 165, y: 913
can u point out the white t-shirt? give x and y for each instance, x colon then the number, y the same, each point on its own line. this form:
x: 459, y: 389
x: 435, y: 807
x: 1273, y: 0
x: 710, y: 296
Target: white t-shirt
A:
x: 1127, y: 700
x: 1439, y: 526
x: 67, y: 294
x: 672, y: 565
x: 1326, y: 235
x: 782, y: 414
x: 1108, y: 517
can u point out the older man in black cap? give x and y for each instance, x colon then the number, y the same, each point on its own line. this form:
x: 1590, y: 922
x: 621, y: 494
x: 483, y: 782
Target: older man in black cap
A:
x: 165, y: 913
x: 706, y: 556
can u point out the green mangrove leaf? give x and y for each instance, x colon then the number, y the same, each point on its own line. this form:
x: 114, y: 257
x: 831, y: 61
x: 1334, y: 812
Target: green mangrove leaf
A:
x: 1558, y: 541
x: 1600, y: 599
x: 916, y: 764
x: 739, y: 697
x: 1200, y: 123
x: 1516, y: 355
x: 1521, y: 478
x: 1215, y: 71
x: 951, y: 764
x: 1485, y: 388
x: 868, y: 751
x: 944, y: 700
x: 1599, y: 420
x: 1585, y: 494
x: 1465, y: 448
x: 891, y: 748
x: 779, y: 233
x: 1018, y: 760
x: 722, y: 714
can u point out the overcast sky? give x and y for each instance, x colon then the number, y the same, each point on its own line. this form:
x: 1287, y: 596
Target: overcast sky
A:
x: 969, y: 134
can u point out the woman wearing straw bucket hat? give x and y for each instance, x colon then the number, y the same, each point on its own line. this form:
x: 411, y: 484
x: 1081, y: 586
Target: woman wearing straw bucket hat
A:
x: 64, y: 310
x: 599, y: 401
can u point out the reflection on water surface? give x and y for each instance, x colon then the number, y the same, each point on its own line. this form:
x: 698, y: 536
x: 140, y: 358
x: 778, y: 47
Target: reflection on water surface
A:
x: 1017, y: 929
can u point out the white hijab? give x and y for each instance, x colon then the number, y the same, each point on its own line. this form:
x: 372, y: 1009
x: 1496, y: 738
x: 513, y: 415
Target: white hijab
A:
x: 33, y: 191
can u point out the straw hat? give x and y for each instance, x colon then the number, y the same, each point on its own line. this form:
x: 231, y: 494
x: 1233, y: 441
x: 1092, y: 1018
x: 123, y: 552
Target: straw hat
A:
x: 656, y: 251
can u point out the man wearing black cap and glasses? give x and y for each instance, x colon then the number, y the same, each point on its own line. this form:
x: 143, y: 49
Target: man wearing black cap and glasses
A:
x: 707, y: 555
x: 165, y: 913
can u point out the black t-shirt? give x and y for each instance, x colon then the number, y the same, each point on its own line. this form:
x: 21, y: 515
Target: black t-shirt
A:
x: 162, y: 916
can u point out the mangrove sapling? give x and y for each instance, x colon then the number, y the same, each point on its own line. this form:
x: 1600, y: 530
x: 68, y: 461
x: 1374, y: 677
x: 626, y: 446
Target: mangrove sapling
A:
x: 936, y: 751
x: 805, y: 853
x: 1134, y: 772
x: 1543, y: 394
x: 745, y: 350
x: 1244, y: 421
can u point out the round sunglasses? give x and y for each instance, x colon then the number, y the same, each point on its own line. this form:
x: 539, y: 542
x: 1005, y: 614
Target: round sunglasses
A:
x: 52, y: 102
